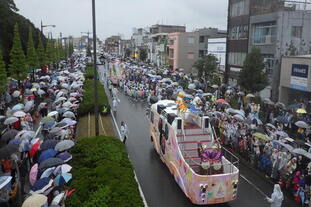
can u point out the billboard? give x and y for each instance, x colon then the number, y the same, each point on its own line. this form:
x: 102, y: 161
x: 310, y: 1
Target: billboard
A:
x: 299, y: 77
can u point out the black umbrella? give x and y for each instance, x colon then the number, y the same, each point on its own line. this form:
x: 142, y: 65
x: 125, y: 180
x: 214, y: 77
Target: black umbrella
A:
x: 48, y: 144
x: 9, y: 134
x: 51, y: 162
x: 153, y: 99
x: 8, y: 150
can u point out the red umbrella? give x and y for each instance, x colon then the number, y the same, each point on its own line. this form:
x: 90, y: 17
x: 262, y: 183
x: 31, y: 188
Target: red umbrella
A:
x: 221, y: 101
x: 70, y: 192
x: 34, y: 149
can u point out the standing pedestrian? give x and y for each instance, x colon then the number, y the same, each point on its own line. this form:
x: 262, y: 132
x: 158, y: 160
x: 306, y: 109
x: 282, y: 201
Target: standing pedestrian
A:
x: 124, y: 132
x: 276, y: 197
x: 114, y: 105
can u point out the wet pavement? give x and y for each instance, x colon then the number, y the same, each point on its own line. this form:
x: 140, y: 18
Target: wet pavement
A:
x: 158, y: 185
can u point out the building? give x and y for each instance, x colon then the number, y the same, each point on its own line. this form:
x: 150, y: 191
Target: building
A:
x: 183, y: 50
x: 217, y: 47
x: 157, y: 45
x: 205, y: 34
x: 277, y: 27
x: 295, y: 79
x: 112, y: 44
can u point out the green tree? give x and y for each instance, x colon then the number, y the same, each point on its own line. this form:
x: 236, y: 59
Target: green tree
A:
x: 253, y: 78
x: 18, y: 65
x: 32, y: 58
x: 70, y: 48
x: 3, y: 74
x: 88, y: 51
x: 206, y: 66
x: 49, y: 51
x: 41, y: 52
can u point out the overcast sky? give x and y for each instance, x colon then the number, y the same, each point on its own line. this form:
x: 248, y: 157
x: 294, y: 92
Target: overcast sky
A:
x: 72, y: 17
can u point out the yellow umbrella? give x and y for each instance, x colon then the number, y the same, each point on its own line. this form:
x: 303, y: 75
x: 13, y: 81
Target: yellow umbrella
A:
x: 301, y: 111
x: 261, y: 136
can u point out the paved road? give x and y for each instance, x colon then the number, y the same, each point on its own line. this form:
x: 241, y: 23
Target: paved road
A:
x: 159, y: 187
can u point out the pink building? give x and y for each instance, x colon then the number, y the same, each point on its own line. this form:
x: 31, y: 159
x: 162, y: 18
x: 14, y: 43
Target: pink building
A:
x: 183, y: 48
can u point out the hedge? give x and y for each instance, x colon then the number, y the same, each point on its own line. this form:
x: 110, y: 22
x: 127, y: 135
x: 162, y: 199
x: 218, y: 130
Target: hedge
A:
x: 102, y: 175
x: 88, y: 104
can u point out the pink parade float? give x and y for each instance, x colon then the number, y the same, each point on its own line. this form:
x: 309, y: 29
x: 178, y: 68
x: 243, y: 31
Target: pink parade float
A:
x: 185, y: 142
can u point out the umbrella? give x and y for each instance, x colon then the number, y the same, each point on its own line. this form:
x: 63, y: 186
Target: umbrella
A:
x: 280, y: 105
x: 47, y: 172
x: 191, y: 86
x: 51, y: 162
x: 41, y: 185
x: 302, y: 124
x: 250, y: 96
x: 35, y: 200
x: 65, y: 156
x: 301, y: 111
x: 69, y: 121
x: 282, y: 134
x: 28, y: 106
x: 62, y: 179
x: 282, y: 119
x: 57, y: 199
x: 16, y: 94
x: 287, y: 146
x: 64, y: 145
x: 48, y: 144
x: 8, y: 150
x: 47, y: 119
x: 52, y: 113
x: 9, y: 134
x: 65, y: 168
x: 67, y: 104
x: 308, y: 155
x: 49, y: 125
x: 28, y: 135
x: 33, y: 174
x: 10, y: 120
x: 62, y: 125
x: 221, y: 101
x: 261, y: 136
x: 4, y: 180
x: 69, y: 114
x: 299, y: 151
x: 18, y: 107
x: 49, y: 153
x: 215, y: 86
x: 41, y: 92
x: 34, y: 149
x: 61, y: 99
x: 271, y: 126
x: 19, y: 114
x: 293, y: 107
x: 239, y: 117
x: 55, y: 130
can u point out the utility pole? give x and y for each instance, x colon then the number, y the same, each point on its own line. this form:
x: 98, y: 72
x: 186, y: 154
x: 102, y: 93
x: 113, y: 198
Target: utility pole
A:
x: 49, y: 25
x: 95, y: 70
x: 88, y: 39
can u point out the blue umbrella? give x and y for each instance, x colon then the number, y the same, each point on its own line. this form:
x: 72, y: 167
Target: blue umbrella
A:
x: 62, y: 179
x: 48, y: 144
x: 15, y: 141
x: 49, y: 125
x: 65, y: 156
x: 41, y: 185
x: 47, y: 154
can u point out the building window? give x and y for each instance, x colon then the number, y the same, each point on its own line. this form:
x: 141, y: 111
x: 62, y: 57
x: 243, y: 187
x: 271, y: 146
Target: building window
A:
x: 171, y: 53
x: 239, y: 8
x: 191, y: 40
x: 239, y: 32
x: 202, y: 39
x: 233, y: 33
x: 297, y: 31
x: 237, y: 58
x: 190, y: 55
x: 269, y: 61
x: 264, y: 33
x: 201, y: 53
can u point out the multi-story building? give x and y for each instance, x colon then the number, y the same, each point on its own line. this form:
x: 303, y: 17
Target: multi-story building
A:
x: 205, y: 34
x: 217, y: 47
x: 157, y: 45
x: 277, y: 27
x: 112, y: 44
x: 183, y: 50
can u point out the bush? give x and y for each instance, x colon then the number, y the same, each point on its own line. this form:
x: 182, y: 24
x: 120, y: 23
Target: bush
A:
x: 103, y: 174
x: 89, y: 73
x: 88, y: 104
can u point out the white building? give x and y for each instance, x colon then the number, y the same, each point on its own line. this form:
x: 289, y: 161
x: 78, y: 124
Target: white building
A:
x: 217, y: 47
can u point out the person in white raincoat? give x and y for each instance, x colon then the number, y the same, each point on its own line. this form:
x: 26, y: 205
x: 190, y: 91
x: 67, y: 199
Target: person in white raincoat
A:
x: 276, y: 197
x: 124, y: 132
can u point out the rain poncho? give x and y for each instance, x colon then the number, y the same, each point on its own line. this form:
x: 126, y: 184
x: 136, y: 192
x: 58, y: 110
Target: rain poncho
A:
x: 276, y: 197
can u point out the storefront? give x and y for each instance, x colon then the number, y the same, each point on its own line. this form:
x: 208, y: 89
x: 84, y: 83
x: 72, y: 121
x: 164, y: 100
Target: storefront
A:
x: 295, y: 79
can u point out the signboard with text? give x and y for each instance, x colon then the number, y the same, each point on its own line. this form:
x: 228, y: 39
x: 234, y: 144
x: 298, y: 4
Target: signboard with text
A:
x: 299, y: 77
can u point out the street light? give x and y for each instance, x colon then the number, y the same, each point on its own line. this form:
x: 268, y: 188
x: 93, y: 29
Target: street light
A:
x: 95, y: 70
x: 49, y: 25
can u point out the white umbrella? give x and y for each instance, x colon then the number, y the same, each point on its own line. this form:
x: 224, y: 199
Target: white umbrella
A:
x: 57, y: 199
x: 69, y: 114
x: 10, y: 120
x: 191, y: 86
x: 47, y: 172
x: 64, y: 145
x: 61, y: 99
x: 19, y: 114
x: 18, y: 107
x: 64, y: 168
x: 52, y: 113
x: 239, y: 117
x: 299, y: 151
x: 35, y: 200
x: 16, y: 94
x: 4, y: 180
x: 65, y: 85
x: 215, y: 86
x: 302, y: 124
x: 29, y: 105
x: 41, y: 92
x: 67, y: 104
x: 271, y: 126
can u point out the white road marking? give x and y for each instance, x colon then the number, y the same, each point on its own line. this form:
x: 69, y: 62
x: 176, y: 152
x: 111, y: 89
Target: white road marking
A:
x: 253, y: 185
x: 101, y: 123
